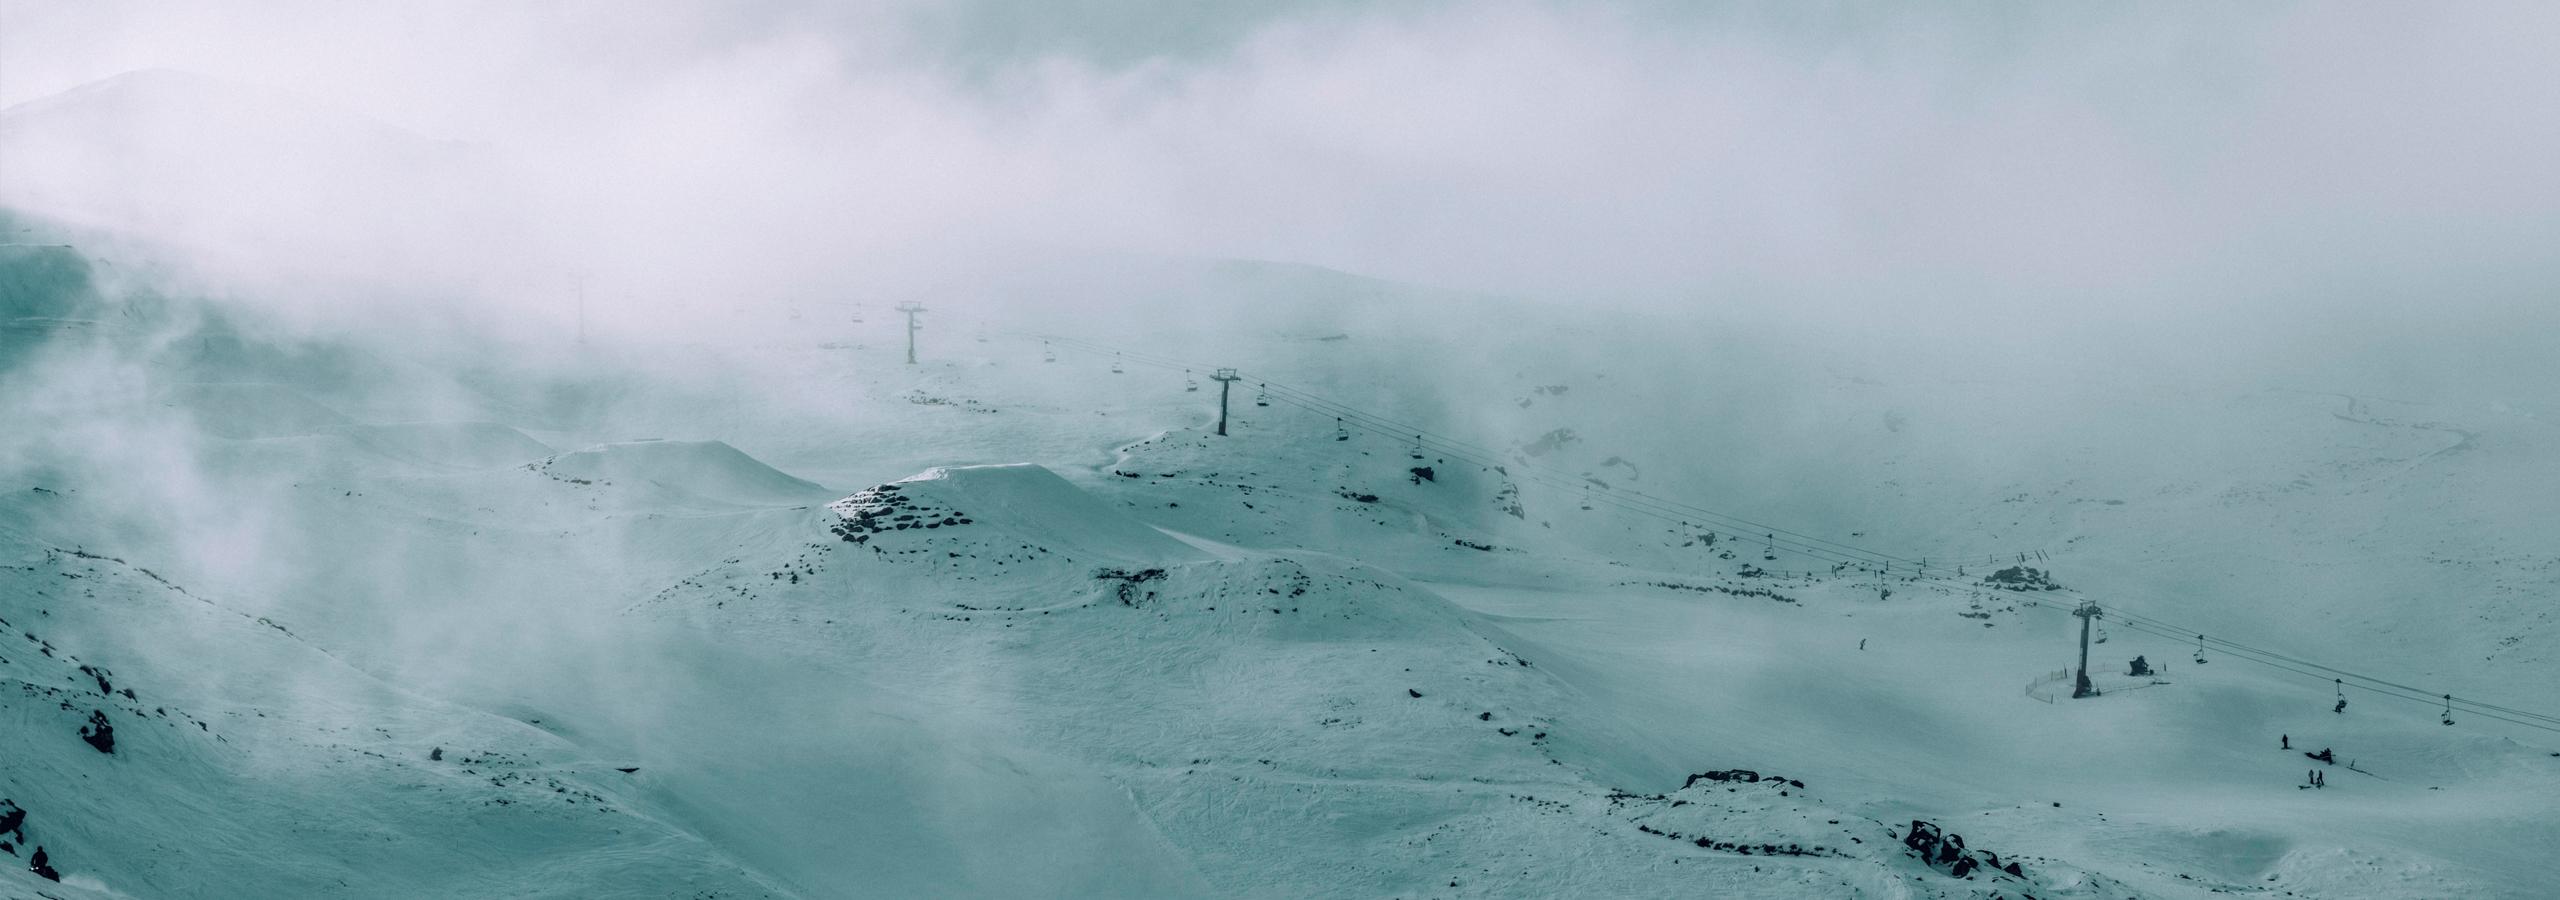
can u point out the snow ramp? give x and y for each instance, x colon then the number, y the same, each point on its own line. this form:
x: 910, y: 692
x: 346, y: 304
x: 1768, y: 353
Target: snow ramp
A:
x: 708, y: 469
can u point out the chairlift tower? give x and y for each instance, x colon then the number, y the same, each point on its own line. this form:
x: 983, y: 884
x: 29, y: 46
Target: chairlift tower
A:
x: 1226, y: 379
x: 911, y: 308
x: 2080, y: 686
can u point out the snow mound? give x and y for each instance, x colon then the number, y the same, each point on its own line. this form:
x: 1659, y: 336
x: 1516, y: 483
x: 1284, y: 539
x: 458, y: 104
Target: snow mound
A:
x: 254, y: 410
x: 1027, y: 503
x: 707, y: 469
x: 470, y: 445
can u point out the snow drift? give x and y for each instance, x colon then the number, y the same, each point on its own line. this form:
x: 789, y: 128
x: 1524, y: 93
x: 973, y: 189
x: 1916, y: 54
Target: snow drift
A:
x: 707, y: 469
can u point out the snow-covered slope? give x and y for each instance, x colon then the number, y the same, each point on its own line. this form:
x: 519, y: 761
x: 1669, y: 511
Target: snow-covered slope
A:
x: 161, y: 744
x: 1290, y: 661
x: 1388, y: 741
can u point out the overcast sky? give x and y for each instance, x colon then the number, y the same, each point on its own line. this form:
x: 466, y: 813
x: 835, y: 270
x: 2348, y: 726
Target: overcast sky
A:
x: 1972, y: 159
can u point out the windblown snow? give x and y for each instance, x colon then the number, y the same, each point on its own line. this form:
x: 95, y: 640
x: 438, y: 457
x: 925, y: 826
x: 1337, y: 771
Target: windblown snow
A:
x: 285, y: 615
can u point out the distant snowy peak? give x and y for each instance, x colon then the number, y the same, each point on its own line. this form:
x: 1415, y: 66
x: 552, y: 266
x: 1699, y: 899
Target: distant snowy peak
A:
x: 158, y: 137
x: 177, y: 97
x: 222, y: 170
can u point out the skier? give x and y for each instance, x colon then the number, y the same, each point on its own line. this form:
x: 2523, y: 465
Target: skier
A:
x: 2284, y: 742
x: 1862, y: 643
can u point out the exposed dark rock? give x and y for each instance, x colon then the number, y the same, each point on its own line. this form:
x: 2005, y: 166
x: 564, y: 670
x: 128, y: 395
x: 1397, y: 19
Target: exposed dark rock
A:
x: 1129, y: 582
x: 1745, y: 776
x: 100, y: 675
x: 2022, y: 578
x: 98, y: 733
x: 1748, y: 572
x: 1939, y: 848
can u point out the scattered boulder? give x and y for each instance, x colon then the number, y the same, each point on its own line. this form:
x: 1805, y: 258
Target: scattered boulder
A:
x: 1129, y: 582
x: 1941, y: 849
x: 1745, y: 776
x: 98, y: 733
x: 2022, y: 578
